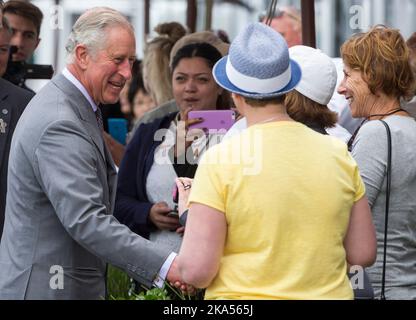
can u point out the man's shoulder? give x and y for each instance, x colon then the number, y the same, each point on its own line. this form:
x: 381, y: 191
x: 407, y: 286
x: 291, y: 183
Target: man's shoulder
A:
x: 14, y: 93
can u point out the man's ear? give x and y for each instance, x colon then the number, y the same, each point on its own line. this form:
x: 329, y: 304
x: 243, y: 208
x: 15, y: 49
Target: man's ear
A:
x: 81, y: 56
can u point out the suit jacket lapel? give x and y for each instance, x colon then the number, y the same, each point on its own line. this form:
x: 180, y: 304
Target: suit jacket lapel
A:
x: 111, y: 176
x: 84, y: 110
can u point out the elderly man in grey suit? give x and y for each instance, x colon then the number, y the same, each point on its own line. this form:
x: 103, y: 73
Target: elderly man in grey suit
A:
x: 59, y: 231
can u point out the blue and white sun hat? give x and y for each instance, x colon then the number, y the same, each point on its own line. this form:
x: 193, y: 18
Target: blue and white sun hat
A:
x: 258, y: 65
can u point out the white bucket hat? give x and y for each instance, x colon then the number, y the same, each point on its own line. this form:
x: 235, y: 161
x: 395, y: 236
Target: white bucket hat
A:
x: 258, y: 65
x: 319, y: 74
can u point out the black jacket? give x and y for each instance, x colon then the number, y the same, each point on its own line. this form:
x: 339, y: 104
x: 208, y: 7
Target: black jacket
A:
x: 13, y: 101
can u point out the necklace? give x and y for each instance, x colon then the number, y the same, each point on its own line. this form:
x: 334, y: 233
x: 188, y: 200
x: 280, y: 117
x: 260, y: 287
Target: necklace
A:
x: 386, y: 114
x: 265, y: 121
x: 351, y: 141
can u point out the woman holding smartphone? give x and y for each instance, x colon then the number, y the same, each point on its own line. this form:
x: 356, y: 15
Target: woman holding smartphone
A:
x: 158, y: 152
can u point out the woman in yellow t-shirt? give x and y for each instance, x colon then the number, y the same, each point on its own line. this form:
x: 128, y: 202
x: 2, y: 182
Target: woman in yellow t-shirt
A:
x: 279, y: 211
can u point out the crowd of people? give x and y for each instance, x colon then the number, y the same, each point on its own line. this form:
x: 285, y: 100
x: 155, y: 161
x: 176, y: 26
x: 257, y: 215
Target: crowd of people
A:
x: 317, y: 175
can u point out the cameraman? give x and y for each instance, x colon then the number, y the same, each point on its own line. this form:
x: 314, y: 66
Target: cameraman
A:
x: 25, y: 19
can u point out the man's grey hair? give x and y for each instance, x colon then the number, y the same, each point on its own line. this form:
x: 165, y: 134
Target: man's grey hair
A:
x: 90, y: 29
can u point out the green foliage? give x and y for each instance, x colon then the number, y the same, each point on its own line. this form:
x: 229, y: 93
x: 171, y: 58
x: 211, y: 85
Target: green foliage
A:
x: 118, y: 284
x: 121, y: 287
x: 154, y: 294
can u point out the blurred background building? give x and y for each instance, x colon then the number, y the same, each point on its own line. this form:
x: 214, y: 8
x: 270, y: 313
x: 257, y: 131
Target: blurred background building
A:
x: 336, y: 20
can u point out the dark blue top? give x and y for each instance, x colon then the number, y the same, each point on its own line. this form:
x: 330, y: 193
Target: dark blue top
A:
x: 132, y: 206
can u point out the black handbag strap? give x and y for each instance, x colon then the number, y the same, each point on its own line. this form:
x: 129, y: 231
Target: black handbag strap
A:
x: 386, y: 218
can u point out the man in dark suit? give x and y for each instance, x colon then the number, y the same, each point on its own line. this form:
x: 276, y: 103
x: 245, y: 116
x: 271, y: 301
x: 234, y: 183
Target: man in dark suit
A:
x: 13, y: 101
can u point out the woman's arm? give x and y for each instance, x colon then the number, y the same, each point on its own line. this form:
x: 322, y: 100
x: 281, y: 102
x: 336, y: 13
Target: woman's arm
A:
x: 202, y: 246
x: 360, y: 241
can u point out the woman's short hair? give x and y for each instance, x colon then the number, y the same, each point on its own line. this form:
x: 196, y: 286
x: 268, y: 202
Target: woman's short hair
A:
x: 156, y: 71
x: 307, y: 111
x: 211, y: 55
x: 382, y: 56
x: 260, y: 103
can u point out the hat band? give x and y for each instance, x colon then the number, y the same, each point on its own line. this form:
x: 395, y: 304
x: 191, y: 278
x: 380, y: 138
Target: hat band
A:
x: 250, y: 84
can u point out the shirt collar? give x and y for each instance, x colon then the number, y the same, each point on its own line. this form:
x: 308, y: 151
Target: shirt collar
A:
x: 71, y: 78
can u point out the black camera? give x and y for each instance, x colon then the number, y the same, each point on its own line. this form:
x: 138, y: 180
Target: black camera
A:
x: 18, y: 71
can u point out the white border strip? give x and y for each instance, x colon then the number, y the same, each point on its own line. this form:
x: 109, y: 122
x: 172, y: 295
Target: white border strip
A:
x: 250, y: 84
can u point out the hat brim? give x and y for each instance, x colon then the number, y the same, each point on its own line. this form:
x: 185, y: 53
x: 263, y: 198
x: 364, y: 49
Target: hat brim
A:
x: 221, y: 78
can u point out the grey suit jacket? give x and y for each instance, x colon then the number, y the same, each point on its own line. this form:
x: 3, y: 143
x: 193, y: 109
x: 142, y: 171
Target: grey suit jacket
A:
x: 13, y: 101
x: 61, y: 192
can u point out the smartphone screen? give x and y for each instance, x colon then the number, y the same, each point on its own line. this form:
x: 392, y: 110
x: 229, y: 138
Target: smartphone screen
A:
x: 213, y: 119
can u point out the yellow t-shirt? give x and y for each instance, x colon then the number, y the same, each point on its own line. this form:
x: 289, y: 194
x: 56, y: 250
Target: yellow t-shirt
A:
x: 287, y: 193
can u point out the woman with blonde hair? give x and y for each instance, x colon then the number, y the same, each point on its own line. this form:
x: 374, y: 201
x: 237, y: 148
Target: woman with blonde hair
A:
x: 156, y: 71
x: 377, y: 78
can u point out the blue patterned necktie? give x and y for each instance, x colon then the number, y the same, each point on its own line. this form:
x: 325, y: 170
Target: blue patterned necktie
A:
x: 99, y: 117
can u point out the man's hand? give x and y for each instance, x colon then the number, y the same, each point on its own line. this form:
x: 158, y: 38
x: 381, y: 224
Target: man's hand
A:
x: 158, y: 216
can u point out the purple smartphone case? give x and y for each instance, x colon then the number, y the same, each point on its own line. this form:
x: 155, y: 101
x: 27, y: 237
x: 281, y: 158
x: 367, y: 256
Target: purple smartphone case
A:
x: 213, y: 119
